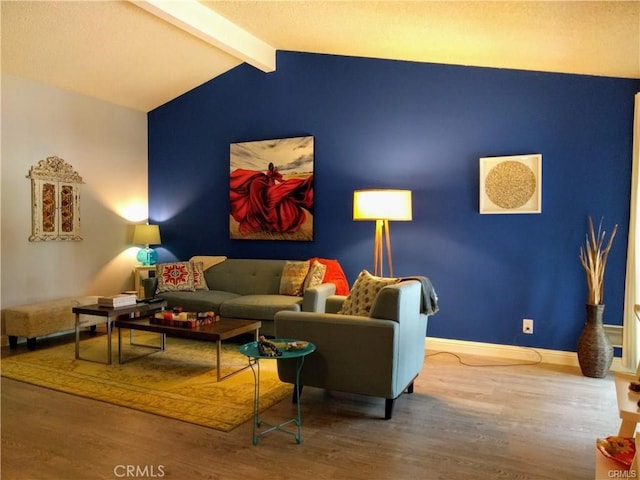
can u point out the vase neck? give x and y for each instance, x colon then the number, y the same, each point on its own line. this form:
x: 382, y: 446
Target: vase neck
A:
x: 594, y: 313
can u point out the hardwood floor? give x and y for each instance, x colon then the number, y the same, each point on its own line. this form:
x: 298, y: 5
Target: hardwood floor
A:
x: 461, y: 422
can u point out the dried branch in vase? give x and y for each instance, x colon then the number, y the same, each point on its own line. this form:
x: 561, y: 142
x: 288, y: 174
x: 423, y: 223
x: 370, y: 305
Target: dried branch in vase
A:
x: 593, y: 256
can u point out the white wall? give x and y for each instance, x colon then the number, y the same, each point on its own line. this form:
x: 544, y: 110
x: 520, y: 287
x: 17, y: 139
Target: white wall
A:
x: 107, y: 145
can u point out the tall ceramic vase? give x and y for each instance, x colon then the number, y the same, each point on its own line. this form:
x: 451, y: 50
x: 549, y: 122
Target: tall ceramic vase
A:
x: 595, y: 352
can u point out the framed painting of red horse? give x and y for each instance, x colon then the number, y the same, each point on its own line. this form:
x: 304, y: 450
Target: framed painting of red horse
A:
x: 271, y: 189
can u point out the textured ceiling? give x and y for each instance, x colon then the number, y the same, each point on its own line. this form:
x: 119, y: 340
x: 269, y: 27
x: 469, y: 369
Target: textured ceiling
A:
x: 114, y: 51
x: 600, y: 38
x: 119, y: 52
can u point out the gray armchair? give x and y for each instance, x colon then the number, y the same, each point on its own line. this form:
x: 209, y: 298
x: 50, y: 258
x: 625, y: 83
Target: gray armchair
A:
x: 380, y: 355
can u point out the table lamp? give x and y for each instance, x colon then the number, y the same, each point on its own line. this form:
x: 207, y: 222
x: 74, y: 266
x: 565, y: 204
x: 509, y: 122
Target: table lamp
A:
x: 382, y: 206
x: 146, y: 235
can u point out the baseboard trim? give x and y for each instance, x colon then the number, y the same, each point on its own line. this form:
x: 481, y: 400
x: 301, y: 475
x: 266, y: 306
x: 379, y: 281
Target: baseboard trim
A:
x: 510, y: 352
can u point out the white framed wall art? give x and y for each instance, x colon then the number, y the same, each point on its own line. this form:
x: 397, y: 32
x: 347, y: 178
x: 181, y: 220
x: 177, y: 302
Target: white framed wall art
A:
x: 511, y: 184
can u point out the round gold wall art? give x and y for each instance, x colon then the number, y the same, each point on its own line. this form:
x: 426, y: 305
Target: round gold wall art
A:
x: 510, y: 184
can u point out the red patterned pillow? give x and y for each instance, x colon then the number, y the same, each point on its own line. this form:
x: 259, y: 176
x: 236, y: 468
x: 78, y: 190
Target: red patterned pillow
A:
x: 199, y: 281
x: 175, y: 277
x: 334, y: 274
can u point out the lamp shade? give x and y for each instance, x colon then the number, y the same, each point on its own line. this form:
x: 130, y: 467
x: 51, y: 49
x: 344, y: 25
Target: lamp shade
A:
x: 146, y: 235
x: 382, y: 205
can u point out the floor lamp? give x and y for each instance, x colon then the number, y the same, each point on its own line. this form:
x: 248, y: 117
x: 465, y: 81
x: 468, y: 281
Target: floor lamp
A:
x: 382, y: 206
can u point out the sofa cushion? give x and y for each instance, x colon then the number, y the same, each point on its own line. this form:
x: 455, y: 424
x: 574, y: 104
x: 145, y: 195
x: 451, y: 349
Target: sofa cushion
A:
x: 246, y: 276
x: 259, y: 307
x: 198, y: 301
x: 293, y: 275
x: 334, y: 274
x: 363, y: 293
x: 315, y: 276
x: 175, y: 277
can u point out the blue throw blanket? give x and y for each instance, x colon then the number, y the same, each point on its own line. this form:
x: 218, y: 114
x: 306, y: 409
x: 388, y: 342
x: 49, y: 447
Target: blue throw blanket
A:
x: 429, y: 304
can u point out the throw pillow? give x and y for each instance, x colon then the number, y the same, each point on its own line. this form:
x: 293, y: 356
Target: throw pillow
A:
x: 293, y: 275
x: 174, y: 277
x: 334, y: 274
x: 315, y: 275
x: 199, y: 282
x: 363, y: 293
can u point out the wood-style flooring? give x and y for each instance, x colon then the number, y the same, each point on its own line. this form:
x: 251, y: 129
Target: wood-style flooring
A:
x: 462, y: 422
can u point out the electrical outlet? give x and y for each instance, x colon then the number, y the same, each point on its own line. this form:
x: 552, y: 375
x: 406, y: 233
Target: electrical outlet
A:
x: 527, y: 325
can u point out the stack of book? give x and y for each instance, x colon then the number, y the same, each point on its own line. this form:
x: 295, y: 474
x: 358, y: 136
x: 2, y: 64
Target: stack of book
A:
x: 119, y: 300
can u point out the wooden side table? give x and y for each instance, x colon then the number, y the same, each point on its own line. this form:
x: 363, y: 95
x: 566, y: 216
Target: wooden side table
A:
x: 629, y: 412
x: 627, y: 405
x: 251, y: 351
x: 139, y: 273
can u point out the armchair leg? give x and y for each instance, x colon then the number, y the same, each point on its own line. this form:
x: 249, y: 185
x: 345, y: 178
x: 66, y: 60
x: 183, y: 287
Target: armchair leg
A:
x: 388, y: 402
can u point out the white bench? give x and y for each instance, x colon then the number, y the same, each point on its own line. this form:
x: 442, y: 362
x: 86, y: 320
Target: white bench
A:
x: 43, y: 318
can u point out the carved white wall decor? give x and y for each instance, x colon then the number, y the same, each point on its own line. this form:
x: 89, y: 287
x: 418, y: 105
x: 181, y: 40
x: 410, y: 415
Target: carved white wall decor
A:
x: 55, y: 201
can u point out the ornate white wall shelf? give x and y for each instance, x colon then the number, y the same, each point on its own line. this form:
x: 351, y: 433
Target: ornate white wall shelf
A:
x: 55, y: 196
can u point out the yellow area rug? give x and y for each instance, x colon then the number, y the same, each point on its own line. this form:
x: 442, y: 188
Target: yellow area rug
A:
x: 179, y: 382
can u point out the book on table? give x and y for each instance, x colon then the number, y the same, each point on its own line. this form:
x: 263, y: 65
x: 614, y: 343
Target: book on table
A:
x: 119, y: 300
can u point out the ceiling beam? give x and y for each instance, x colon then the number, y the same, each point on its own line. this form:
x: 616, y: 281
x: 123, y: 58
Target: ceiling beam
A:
x: 204, y: 23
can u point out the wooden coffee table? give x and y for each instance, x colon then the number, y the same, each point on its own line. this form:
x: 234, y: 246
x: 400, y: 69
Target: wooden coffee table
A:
x: 221, y: 330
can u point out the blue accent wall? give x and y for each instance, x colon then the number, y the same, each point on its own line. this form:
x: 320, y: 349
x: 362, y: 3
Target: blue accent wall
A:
x: 393, y: 124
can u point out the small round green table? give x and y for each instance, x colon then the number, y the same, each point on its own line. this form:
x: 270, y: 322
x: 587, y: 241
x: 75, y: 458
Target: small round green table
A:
x: 250, y: 350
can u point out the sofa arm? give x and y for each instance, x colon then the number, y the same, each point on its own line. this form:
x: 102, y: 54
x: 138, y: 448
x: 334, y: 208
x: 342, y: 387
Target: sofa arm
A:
x: 334, y: 303
x: 150, y: 286
x: 314, y: 298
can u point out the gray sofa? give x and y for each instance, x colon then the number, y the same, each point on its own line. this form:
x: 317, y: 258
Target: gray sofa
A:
x: 379, y: 355
x: 245, y: 289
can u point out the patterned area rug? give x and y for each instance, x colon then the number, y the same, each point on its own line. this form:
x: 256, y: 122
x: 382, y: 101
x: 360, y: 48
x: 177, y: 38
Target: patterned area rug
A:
x: 179, y: 382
